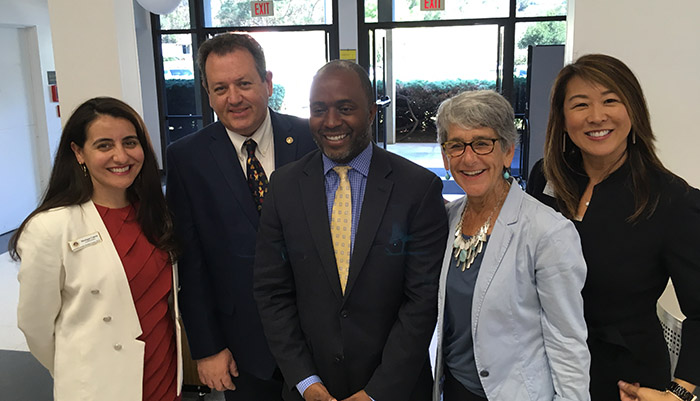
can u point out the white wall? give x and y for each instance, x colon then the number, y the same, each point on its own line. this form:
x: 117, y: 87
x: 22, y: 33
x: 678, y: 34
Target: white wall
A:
x: 31, y: 128
x: 147, y: 68
x: 95, y: 51
x: 104, y: 55
x: 347, y: 24
x: 660, y: 42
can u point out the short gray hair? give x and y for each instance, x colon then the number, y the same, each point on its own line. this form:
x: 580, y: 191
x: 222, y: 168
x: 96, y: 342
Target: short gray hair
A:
x: 478, y: 109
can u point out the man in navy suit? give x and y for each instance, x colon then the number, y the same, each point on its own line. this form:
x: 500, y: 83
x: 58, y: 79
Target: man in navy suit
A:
x: 216, y: 185
x: 354, y: 329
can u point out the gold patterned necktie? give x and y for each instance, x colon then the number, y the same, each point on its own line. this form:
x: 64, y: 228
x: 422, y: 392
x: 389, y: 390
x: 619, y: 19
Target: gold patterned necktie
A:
x: 341, y: 225
x: 257, y: 180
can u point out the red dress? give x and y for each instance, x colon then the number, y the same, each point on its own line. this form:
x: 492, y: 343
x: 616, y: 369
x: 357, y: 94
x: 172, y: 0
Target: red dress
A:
x: 149, y: 272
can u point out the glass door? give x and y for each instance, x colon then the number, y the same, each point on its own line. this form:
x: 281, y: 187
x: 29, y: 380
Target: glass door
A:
x: 426, y: 56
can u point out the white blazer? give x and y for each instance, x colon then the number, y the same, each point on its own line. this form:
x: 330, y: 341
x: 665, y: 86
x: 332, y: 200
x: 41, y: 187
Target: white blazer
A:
x: 527, y: 312
x: 76, y: 309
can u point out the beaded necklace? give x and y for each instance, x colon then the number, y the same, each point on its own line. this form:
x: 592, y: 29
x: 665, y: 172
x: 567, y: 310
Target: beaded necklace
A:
x: 465, y: 251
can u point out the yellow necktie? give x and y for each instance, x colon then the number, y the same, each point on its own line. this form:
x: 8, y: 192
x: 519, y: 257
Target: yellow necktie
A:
x: 341, y: 225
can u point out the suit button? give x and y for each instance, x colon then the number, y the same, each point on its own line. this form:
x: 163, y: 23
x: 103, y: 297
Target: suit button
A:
x: 107, y: 319
x: 95, y: 292
x: 118, y: 347
x: 338, y: 358
x: 344, y: 314
x: 484, y: 373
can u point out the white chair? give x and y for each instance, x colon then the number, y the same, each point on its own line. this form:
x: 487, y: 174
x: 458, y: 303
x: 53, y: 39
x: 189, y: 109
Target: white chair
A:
x: 671, y: 317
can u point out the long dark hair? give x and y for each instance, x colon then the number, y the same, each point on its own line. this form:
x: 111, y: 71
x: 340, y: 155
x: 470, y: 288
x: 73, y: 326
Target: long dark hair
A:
x: 562, y: 158
x: 69, y: 185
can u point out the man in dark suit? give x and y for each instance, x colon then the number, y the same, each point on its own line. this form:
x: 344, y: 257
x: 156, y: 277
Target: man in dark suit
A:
x: 348, y: 256
x: 216, y: 184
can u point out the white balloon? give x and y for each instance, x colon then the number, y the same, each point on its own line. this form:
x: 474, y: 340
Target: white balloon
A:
x: 159, y: 6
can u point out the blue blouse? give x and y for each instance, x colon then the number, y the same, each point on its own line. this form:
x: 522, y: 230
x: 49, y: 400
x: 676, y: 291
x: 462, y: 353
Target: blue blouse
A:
x: 458, y: 343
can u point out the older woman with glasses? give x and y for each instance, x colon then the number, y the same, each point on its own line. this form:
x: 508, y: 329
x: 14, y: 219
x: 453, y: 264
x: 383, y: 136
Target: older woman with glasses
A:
x: 510, y: 323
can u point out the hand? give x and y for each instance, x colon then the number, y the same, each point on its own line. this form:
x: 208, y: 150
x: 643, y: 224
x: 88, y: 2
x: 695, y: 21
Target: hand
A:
x: 215, y: 371
x: 633, y: 392
x: 317, y: 392
x: 359, y: 396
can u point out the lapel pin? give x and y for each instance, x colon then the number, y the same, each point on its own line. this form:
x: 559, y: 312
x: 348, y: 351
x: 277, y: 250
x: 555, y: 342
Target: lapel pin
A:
x: 289, y: 140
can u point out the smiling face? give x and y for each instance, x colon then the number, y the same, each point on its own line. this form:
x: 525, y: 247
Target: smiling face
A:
x: 597, y: 121
x: 113, y: 156
x: 236, y: 92
x: 341, y: 116
x: 480, y: 176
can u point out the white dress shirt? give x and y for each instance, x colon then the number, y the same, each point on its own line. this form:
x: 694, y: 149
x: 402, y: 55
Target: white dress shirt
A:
x: 265, y: 151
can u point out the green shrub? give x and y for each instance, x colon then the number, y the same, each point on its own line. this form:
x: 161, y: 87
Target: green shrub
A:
x: 417, y: 101
x: 277, y: 97
x: 181, y: 97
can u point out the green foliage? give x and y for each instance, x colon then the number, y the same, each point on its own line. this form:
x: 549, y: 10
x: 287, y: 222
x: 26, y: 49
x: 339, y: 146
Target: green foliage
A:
x: 519, y: 94
x: 178, y: 19
x: 181, y: 97
x: 232, y: 13
x: 277, y: 99
x: 371, y: 10
x: 417, y: 101
x: 544, y: 33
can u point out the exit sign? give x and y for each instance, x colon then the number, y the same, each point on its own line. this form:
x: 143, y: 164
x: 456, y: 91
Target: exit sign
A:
x: 432, y: 5
x: 262, y: 9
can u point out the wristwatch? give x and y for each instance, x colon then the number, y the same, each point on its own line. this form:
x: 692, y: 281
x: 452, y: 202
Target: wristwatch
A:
x: 680, y: 392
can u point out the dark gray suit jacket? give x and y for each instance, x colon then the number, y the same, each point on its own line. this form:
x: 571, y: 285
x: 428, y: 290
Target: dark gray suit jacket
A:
x: 375, y: 336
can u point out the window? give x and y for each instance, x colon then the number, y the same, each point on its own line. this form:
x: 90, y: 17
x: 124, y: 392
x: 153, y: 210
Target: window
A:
x: 423, y: 57
x: 225, y: 13
x: 304, y: 31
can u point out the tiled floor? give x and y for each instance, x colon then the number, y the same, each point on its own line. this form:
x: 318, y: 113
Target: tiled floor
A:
x: 11, y: 337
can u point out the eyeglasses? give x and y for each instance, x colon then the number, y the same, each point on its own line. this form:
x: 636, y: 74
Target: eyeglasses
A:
x: 481, y: 147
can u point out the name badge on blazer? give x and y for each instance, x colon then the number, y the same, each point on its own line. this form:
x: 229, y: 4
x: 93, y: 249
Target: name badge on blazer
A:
x: 548, y: 190
x: 80, y: 243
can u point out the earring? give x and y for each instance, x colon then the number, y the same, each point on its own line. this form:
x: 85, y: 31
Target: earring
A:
x: 634, y: 138
x: 506, y: 173
x: 447, y: 175
x: 84, y: 168
x: 563, y: 144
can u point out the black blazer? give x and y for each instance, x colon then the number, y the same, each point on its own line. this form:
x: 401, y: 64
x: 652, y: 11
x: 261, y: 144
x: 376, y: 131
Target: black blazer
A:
x: 216, y: 221
x: 628, y: 269
x: 376, y: 336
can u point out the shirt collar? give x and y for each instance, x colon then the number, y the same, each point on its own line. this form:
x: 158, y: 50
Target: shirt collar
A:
x: 262, y: 136
x: 360, y: 163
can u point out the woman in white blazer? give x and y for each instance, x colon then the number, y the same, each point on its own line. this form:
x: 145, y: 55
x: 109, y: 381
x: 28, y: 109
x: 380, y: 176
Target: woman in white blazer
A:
x: 510, y: 317
x: 97, y: 304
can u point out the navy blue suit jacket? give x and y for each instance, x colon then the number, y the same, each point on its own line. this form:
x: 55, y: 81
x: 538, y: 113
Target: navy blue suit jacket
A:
x: 216, y: 222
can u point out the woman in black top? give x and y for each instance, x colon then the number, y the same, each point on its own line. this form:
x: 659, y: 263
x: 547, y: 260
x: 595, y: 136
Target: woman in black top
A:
x: 639, y: 224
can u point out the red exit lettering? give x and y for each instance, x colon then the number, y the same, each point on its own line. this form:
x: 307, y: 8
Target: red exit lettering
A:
x: 432, y: 5
x: 261, y: 8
